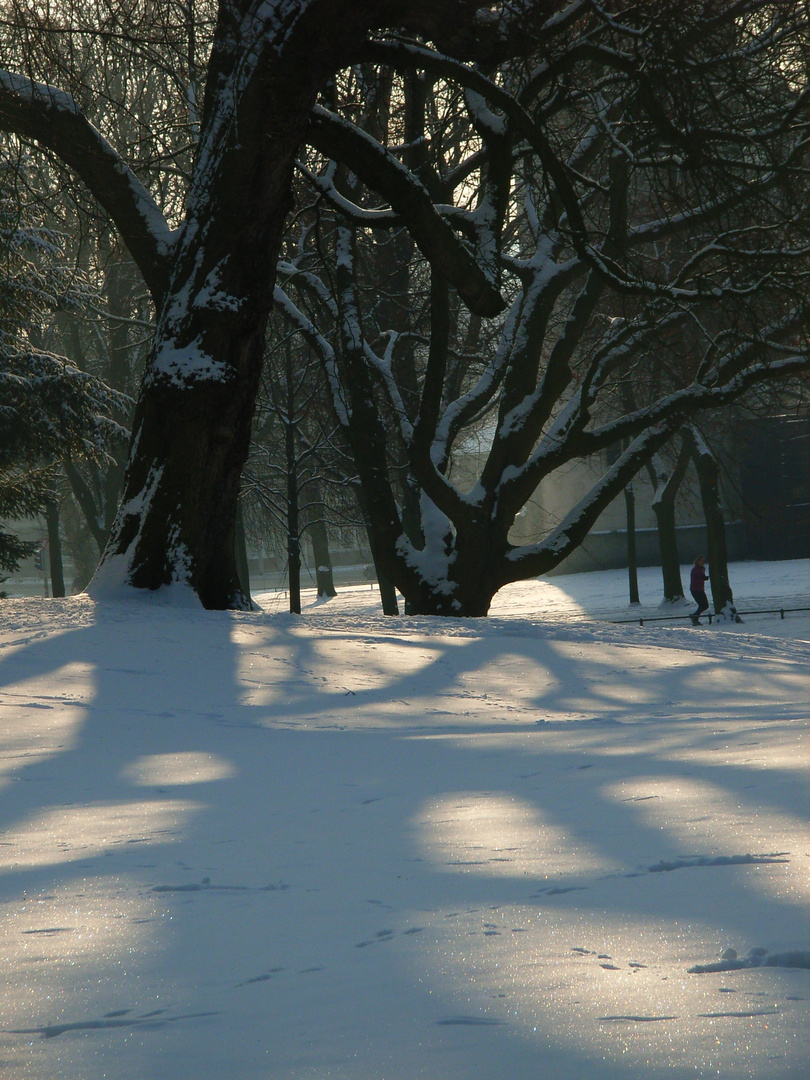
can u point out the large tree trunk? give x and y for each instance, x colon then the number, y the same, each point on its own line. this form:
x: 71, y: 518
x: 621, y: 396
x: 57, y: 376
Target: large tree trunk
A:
x: 192, y: 423
x: 176, y: 522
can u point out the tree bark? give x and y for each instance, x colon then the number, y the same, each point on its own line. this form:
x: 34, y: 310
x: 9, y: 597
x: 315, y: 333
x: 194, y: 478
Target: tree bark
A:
x: 667, y: 481
x: 717, y: 551
x: 291, y: 461
x: 632, y: 562
x: 242, y: 565
x: 320, y: 548
x: 54, y: 548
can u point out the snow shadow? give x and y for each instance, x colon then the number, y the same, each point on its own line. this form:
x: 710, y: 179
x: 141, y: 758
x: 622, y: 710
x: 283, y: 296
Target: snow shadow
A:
x: 310, y: 850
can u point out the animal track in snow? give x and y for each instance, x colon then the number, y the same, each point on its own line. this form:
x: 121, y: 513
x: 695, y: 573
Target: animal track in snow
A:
x: 266, y: 977
x: 634, y: 965
x: 558, y: 890
x: 634, y: 1019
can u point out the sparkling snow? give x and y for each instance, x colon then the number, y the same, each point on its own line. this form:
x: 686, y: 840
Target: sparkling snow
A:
x: 253, y: 846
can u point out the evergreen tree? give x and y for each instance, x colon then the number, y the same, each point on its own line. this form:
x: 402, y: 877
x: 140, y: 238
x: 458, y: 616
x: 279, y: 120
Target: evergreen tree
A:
x: 49, y: 409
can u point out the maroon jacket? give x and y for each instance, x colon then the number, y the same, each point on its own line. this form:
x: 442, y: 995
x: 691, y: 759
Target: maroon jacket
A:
x: 698, y: 579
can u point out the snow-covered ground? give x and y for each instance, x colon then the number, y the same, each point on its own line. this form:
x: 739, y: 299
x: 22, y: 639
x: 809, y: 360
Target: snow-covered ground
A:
x: 253, y: 846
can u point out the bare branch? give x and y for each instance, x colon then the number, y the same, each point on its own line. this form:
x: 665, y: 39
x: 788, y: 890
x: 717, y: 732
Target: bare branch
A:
x: 53, y: 119
x: 380, y: 170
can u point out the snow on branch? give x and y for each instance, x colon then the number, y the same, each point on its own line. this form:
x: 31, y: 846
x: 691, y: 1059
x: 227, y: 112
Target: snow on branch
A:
x: 321, y: 346
x: 380, y: 170
x: 308, y: 282
x: 52, y: 118
x: 383, y: 218
x: 535, y: 558
x: 672, y: 409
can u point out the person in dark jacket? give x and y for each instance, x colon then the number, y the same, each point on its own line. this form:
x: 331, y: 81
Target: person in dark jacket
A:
x: 697, y: 587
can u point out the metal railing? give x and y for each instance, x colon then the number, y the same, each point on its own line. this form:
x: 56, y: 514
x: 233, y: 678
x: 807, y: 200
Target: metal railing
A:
x: 711, y: 615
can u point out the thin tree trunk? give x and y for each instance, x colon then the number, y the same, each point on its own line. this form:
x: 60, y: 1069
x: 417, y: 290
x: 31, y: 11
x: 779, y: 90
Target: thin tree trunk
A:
x: 388, y: 593
x: 717, y: 551
x: 632, y: 563
x: 242, y: 565
x: 293, y: 536
x: 54, y: 548
x: 667, y: 482
x: 320, y: 548
x: 87, y: 503
x: 668, y: 550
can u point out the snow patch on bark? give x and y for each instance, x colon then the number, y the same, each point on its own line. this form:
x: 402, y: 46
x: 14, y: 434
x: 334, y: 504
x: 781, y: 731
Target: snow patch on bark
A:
x: 434, y: 560
x: 113, y: 577
x: 212, y: 297
x: 189, y: 364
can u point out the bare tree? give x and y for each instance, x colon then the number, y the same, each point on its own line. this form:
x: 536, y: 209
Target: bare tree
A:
x: 639, y: 94
x: 639, y: 196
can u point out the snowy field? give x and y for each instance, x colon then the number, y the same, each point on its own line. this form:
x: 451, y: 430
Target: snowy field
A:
x: 534, y: 847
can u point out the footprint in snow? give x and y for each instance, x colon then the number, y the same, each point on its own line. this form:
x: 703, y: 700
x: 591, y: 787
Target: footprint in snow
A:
x: 387, y: 935
x: 685, y: 862
x: 634, y: 1019
x: 468, y: 1021
x: 729, y: 961
x: 266, y: 977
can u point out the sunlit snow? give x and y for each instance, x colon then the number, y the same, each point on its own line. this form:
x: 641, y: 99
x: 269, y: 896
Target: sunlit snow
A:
x: 541, y: 845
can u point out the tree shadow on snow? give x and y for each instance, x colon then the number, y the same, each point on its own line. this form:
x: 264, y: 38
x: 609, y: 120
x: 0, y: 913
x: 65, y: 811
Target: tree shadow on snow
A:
x: 279, y: 859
